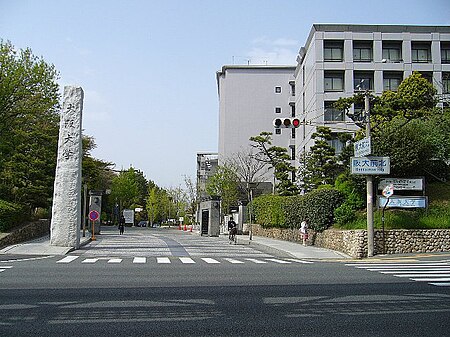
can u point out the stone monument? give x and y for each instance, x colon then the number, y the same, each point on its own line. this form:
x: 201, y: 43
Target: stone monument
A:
x: 66, y: 210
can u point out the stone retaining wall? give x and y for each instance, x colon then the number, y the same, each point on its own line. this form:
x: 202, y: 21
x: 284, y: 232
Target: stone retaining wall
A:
x: 354, y: 242
x: 26, y: 232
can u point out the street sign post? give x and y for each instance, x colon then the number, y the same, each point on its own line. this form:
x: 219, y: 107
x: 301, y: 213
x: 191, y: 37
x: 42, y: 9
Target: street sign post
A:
x: 93, y: 216
x: 388, y: 191
x: 363, y: 147
x: 370, y: 165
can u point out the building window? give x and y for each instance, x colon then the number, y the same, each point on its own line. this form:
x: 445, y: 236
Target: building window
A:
x: 292, y: 88
x: 333, y: 51
x: 277, y: 110
x: 421, y: 52
x: 391, y: 80
x: 445, y: 52
x: 363, y: 80
x: 362, y: 51
x: 278, y: 90
x: 334, y: 81
x: 278, y: 131
x: 336, y: 143
x: 392, y: 51
x: 428, y: 75
x: 358, y: 109
x: 446, y: 83
x: 331, y: 114
x: 293, y: 133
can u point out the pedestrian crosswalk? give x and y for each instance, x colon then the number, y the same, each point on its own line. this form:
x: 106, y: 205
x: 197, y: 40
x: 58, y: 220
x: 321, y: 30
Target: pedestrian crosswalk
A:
x: 180, y: 260
x: 436, y: 273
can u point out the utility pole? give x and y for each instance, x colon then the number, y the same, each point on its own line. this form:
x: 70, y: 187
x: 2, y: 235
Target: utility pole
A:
x: 369, y: 185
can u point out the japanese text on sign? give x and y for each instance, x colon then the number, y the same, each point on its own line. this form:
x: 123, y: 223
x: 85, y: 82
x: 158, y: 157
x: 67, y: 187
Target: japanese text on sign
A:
x: 370, y: 165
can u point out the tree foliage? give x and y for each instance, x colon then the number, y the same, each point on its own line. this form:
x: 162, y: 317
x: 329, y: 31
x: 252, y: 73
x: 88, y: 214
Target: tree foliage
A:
x: 278, y: 158
x: 319, y: 166
x: 28, y: 127
x: 225, y: 184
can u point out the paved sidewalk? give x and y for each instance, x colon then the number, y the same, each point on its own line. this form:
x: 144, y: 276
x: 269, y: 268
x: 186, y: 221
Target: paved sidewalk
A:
x: 293, y: 249
x: 41, y: 246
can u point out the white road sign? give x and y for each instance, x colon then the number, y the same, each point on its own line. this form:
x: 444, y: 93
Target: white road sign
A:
x: 370, y: 165
x: 363, y: 147
x: 415, y: 184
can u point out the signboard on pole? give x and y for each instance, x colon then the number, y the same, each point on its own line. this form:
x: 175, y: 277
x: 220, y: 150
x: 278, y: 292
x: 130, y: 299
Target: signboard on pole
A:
x: 402, y: 184
x: 370, y: 165
x: 128, y: 214
x: 363, y: 147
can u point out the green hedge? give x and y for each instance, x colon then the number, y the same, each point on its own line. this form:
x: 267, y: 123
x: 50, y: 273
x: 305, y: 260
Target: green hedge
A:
x: 285, y: 212
x: 11, y: 215
x: 268, y: 210
x: 318, y: 206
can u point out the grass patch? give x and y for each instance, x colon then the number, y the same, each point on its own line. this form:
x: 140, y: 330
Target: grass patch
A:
x: 437, y: 216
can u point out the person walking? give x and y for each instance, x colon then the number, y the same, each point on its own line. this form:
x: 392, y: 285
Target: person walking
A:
x: 122, y: 225
x: 304, y: 230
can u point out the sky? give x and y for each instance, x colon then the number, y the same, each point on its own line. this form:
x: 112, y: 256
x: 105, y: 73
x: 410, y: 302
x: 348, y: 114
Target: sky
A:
x: 148, y: 68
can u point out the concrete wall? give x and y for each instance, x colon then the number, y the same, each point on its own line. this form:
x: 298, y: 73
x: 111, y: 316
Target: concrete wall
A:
x: 354, y: 242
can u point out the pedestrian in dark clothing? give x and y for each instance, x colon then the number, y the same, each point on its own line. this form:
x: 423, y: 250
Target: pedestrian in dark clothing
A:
x: 122, y: 224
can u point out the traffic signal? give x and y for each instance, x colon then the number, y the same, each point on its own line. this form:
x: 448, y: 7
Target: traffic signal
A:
x: 286, y: 123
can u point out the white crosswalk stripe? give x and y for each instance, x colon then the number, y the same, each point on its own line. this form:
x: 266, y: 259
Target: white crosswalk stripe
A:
x: 210, y: 260
x: 114, y: 260
x: 89, y: 261
x: 67, y: 259
x: 3, y: 268
x: 434, y: 273
x: 183, y: 260
x: 162, y: 260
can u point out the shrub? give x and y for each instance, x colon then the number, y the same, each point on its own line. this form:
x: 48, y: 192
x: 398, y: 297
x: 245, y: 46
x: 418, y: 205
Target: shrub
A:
x: 268, y: 210
x: 317, y: 205
x: 344, y: 214
x: 11, y: 215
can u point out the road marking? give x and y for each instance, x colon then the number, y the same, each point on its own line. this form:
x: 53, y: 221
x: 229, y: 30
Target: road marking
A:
x: 442, y: 284
x: 209, y: 260
x: 67, y: 259
x: 256, y: 261
x: 234, y: 261
x: 3, y: 268
x: 299, y: 261
x: 163, y: 260
x: 435, y: 273
x: 89, y: 261
x: 279, y: 261
x: 440, y: 279
x: 186, y: 260
x: 139, y: 260
x: 114, y: 260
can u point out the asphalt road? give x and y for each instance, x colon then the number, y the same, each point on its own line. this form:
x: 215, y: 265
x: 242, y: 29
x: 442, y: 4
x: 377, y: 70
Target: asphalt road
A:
x: 102, y: 291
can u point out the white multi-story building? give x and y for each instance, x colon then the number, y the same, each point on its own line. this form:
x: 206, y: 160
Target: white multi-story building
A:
x: 339, y: 59
x: 250, y: 98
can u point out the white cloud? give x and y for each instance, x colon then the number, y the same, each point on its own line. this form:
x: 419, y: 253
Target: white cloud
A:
x: 280, y: 51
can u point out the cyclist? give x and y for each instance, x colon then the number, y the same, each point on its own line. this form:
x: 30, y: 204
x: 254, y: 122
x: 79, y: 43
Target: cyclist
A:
x: 232, y: 230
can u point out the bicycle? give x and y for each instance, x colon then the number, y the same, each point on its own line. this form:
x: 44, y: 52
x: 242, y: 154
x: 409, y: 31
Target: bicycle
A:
x: 232, y: 237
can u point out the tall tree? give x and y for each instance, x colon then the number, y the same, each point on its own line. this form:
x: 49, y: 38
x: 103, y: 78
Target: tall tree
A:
x: 278, y: 158
x: 249, y: 171
x: 320, y: 166
x: 28, y: 126
x: 224, y: 183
